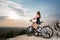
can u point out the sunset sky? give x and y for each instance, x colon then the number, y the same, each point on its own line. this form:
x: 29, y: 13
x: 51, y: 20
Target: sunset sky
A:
x: 26, y: 9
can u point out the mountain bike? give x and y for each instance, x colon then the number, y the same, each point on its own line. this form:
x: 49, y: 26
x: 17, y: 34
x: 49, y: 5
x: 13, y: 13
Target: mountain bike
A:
x: 43, y: 31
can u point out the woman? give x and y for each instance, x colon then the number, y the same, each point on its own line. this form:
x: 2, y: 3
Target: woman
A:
x: 38, y: 17
x: 35, y: 24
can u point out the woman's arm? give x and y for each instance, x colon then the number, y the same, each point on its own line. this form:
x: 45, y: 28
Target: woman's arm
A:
x: 35, y: 17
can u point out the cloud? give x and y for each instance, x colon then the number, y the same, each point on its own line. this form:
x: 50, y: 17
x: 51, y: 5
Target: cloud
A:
x: 11, y: 5
x: 2, y: 18
x: 7, y: 8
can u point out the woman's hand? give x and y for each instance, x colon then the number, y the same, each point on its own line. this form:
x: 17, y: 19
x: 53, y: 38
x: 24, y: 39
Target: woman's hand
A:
x: 30, y: 20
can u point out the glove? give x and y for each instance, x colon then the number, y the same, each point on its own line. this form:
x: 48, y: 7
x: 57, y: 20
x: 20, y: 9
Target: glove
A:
x: 30, y: 20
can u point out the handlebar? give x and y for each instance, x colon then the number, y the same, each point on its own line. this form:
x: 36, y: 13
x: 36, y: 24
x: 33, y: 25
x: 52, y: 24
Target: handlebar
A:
x: 32, y: 21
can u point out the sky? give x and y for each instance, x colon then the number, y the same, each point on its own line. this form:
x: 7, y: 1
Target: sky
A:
x: 51, y: 7
x: 25, y: 9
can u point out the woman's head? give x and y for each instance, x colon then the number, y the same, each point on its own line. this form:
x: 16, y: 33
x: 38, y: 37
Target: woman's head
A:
x: 38, y: 13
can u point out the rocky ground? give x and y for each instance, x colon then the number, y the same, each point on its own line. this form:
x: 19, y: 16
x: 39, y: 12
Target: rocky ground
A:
x: 25, y: 37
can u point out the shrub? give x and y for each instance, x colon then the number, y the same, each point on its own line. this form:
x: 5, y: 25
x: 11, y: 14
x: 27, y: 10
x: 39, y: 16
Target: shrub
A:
x: 10, y: 34
x: 2, y: 35
x: 22, y: 32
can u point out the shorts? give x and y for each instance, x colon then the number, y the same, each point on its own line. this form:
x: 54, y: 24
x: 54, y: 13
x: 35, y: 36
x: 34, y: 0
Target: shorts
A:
x: 38, y: 23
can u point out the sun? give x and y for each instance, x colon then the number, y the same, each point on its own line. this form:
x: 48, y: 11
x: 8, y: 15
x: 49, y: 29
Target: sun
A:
x: 13, y: 16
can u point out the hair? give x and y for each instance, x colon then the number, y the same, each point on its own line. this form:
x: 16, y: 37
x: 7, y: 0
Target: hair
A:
x: 38, y: 12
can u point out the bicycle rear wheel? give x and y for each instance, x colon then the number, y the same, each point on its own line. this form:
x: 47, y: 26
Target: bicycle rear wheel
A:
x: 47, y: 32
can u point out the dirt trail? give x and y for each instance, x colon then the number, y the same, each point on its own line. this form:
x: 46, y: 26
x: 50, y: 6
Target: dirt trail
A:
x: 25, y: 37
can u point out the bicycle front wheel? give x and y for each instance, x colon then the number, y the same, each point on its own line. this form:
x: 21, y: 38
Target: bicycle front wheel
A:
x: 29, y: 31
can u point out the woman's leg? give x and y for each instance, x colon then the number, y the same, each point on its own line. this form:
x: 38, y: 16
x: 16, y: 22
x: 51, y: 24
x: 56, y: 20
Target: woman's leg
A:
x: 34, y: 25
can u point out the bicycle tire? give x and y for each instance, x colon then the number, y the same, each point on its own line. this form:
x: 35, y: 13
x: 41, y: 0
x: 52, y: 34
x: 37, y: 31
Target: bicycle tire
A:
x: 28, y: 32
x: 51, y: 30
